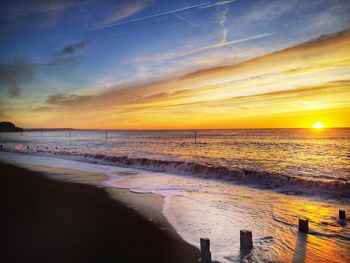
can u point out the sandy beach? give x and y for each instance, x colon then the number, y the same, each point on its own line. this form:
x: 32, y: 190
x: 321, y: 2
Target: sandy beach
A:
x: 45, y: 220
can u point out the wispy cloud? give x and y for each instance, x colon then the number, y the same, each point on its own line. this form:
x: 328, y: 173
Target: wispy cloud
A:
x: 124, y: 11
x: 178, y: 16
x: 222, y: 24
x: 263, y: 11
x: 50, y: 11
x: 23, y: 8
x: 175, y: 11
x: 279, y: 83
x: 219, y: 3
x: 62, y: 99
x: 15, y: 74
x: 183, y: 53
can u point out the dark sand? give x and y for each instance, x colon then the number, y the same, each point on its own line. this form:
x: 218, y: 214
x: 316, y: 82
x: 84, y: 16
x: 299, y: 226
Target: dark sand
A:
x: 43, y: 220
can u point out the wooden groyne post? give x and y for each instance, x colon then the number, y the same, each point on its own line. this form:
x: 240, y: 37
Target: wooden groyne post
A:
x: 205, y: 250
x: 303, y: 225
x: 106, y: 136
x: 342, y: 215
x: 195, y: 136
x: 246, y: 240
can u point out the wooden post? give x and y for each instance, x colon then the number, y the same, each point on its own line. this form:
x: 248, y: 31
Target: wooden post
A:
x: 342, y: 215
x: 41, y: 133
x: 246, y: 239
x: 303, y: 225
x: 205, y: 250
x: 195, y: 137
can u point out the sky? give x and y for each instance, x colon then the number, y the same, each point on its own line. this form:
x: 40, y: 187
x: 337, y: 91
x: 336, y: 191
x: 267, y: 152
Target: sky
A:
x: 157, y: 64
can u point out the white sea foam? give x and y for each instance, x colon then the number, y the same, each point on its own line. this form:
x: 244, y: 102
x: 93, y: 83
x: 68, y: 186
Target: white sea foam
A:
x: 337, y: 187
x: 197, y: 207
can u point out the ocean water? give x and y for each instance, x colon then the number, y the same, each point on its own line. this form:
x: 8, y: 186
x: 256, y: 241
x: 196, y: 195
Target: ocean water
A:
x: 263, y: 180
x: 299, y: 160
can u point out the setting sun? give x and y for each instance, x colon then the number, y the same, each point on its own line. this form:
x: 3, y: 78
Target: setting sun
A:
x: 318, y: 125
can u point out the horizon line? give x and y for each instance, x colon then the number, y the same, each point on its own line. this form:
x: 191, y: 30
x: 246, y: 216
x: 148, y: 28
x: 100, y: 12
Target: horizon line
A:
x: 180, y: 129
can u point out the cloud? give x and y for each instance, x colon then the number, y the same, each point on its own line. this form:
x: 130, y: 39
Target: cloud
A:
x: 178, y: 16
x: 276, y: 85
x: 72, y: 48
x: 222, y: 24
x: 171, y: 12
x: 14, y: 74
x: 262, y: 11
x: 183, y: 53
x: 335, y: 16
x: 63, y: 99
x: 268, y: 75
x: 124, y: 11
x: 49, y: 10
x: 218, y: 3
x: 176, y: 100
x: 28, y: 7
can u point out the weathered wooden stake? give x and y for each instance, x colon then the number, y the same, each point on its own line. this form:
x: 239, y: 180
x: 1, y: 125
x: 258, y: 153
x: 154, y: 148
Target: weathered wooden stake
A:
x: 195, y: 137
x: 205, y: 250
x: 303, y: 225
x: 342, y: 215
x: 246, y: 239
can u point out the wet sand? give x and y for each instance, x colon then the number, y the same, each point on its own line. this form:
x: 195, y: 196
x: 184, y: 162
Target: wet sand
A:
x: 45, y: 220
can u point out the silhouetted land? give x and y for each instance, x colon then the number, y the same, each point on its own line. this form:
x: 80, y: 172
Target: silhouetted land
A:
x: 9, y: 127
x: 43, y: 220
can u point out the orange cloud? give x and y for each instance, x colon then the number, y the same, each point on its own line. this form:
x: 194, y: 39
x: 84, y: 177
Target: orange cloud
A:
x: 283, y: 89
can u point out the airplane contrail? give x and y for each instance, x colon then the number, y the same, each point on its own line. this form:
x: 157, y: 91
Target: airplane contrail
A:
x: 178, y: 16
x: 219, y: 3
x: 178, y: 54
x: 202, y: 5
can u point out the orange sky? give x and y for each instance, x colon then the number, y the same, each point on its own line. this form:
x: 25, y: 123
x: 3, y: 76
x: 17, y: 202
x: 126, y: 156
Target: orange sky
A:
x: 290, y: 88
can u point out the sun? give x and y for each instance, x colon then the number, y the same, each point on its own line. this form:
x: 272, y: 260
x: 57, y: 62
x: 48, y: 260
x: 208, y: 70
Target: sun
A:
x: 318, y: 125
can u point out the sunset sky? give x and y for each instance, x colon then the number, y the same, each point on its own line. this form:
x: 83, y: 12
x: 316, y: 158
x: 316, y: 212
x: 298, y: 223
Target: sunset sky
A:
x: 160, y: 64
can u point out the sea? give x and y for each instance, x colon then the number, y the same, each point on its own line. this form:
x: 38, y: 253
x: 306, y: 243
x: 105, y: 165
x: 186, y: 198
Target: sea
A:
x: 217, y: 182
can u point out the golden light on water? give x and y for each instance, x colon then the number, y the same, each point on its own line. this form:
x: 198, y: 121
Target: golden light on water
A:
x: 318, y: 125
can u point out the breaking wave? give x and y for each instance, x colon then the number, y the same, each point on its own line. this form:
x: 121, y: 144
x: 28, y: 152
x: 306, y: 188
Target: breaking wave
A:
x: 338, y: 188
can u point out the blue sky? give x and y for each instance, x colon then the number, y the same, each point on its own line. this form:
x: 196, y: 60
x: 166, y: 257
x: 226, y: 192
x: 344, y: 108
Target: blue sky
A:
x: 82, y: 47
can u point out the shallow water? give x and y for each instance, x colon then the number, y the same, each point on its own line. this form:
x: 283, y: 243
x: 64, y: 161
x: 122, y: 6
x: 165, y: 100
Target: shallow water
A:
x: 202, y: 207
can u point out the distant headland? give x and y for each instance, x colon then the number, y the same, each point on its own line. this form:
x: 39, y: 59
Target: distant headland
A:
x: 9, y: 127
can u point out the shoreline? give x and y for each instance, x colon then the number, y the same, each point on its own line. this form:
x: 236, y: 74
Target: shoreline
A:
x: 336, y: 188
x: 148, y: 205
x: 278, y: 238
x: 50, y: 220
